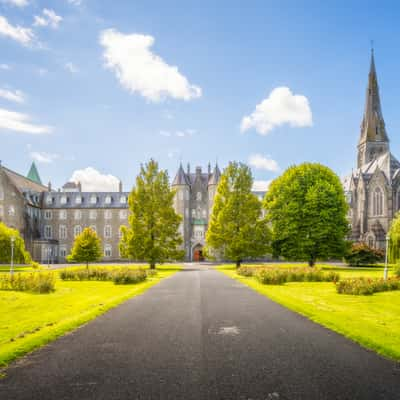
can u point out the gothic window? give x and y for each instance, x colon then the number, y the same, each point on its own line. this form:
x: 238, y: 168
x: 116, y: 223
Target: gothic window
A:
x: 107, y: 231
x: 63, y: 232
x: 198, y: 196
x: 370, y: 242
x: 63, y: 251
x: 377, y: 202
x: 77, y: 230
x: 48, y: 232
x: 107, y: 251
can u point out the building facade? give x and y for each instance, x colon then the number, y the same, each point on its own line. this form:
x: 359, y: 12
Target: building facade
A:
x: 373, y: 188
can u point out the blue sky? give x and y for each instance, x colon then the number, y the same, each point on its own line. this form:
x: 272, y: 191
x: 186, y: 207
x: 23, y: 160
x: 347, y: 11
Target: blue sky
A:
x: 77, y: 112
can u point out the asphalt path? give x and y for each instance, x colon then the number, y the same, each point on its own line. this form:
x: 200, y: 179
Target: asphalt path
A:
x: 201, y: 335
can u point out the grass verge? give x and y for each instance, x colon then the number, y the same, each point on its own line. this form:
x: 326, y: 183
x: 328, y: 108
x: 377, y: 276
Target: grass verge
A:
x: 371, y: 321
x: 28, y: 321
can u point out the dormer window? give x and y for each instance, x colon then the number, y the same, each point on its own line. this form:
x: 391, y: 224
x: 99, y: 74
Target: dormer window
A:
x: 63, y: 200
x: 122, y: 199
x: 93, y: 199
x: 108, y: 200
x: 49, y: 200
x: 78, y: 200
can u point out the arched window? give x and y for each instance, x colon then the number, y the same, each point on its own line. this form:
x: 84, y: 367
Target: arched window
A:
x: 377, y: 202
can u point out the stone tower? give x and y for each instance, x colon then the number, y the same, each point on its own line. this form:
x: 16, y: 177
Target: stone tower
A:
x: 212, y: 185
x: 373, y: 138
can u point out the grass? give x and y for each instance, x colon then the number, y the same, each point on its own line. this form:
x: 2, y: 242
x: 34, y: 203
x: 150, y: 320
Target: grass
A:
x: 18, y: 268
x: 28, y: 321
x: 372, y: 321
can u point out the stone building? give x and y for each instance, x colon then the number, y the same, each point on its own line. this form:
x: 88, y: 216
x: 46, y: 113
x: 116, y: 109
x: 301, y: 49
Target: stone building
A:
x: 373, y: 189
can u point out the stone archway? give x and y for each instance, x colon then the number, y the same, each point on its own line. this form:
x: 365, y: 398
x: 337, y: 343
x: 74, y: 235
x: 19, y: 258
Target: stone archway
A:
x: 197, y: 253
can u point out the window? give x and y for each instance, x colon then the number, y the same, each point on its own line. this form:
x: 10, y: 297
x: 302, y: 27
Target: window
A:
x: 49, y: 200
x: 93, y: 228
x: 62, y: 214
x: 62, y: 232
x: 108, y: 200
x: 92, y: 214
x: 122, y: 199
x: 93, y: 199
x: 1, y: 193
x: 11, y: 211
x: 78, y: 214
x: 377, y: 202
x: 204, y: 214
x: 107, y: 232
x: 77, y: 230
x: 107, y: 214
x: 193, y: 213
x: 48, y: 214
x: 198, y: 196
x: 63, y: 200
x: 107, y: 251
x: 371, y: 242
x: 48, y: 232
x: 63, y: 251
x: 198, y: 232
x: 123, y: 214
x: 78, y: 199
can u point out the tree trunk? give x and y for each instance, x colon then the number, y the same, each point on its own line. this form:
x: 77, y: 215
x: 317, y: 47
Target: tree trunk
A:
x: 87, y: 265
x: 152, y: 265
x: 238, y: 263
x: 311, y: 262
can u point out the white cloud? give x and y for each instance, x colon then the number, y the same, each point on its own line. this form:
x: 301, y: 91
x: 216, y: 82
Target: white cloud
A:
x: 69, y: 66
x: 43, y: 157
x: 17, y: 96
x: 259, y: 161
x: 48, y: 18
x: 17, y: 3
x: 281, y: 107
x: 22, y: 35
x: 261, y: 186
x: 184, y: 133
x: 18, y: 122
x: 138, y: 69
x: 94, y: 181
x: 5, y: 67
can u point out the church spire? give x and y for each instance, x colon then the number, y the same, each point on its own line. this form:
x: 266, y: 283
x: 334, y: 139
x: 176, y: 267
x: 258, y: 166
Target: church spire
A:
x: 33, y: 174
x: 373, y: 138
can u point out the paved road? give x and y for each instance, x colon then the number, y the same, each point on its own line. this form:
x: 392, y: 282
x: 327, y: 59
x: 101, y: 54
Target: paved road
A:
x: 201, y: 335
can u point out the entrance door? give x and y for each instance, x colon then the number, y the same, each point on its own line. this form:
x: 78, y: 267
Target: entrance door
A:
x: 198, y: 254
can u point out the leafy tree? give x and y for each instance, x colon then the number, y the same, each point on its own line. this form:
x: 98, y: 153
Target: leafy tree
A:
x: 152, y: 234
x: 86, y: 248
x: 237, y: 229
x: 394, y: 243
x: 21, y: 256
x: 307, y: 209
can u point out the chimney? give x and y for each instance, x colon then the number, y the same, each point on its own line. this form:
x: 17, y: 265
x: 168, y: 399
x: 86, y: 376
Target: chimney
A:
x: 49, y: 186
x: 188, y: 168
x: 79, y: 187
x: 120, y: 186
x: 198, y: 170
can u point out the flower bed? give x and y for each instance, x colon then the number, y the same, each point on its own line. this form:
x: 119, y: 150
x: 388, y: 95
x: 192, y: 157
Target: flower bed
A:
x: 35, y: 282
x: 367, y: 286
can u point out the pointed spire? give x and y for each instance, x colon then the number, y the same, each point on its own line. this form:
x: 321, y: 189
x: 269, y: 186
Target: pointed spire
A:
x: 180, y: 177
x: 33, y: 174
x: 373, y: 125
x: 215, y: 176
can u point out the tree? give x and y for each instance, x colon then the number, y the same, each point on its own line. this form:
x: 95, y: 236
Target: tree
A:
x: 86, y: 248
x: 394, y: 243
x: 360, y: 254
x: 237, y: 230
x: 21, y: 256
x: 307, y: 209
x: 153, y: 232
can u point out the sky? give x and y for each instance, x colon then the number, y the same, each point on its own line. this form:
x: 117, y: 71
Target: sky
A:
x: 91, y: 89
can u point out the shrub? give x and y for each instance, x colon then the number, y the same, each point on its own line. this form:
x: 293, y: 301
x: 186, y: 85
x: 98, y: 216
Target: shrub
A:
x: 367, y: 286
x: 83, y: 274
x: 246, y: 271
x: 151, y: 272
x: 276, y: 276
x: 128, y: 276
x: 361, y: 254
x: 36, y: 282
x: 397, y: 271
x: 35, y: 265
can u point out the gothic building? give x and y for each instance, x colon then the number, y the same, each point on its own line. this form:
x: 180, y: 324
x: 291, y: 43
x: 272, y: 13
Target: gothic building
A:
x: 373, y: 189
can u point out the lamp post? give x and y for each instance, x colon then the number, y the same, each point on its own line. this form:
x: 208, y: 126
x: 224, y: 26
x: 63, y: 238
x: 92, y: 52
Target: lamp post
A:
x: 385, y: 272
x: 12, y: 255
x: 48, y: 256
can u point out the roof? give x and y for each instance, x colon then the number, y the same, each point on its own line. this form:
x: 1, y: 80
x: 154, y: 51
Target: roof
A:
x: 180, y: 177
x: 215, y: 176
x: 76, y: 200
x: 33, y: 174
x: 22, y: 183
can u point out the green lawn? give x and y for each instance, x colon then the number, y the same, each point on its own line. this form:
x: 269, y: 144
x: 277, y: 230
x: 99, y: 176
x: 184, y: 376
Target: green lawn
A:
x: 372, y: 321
x: 28, y: 321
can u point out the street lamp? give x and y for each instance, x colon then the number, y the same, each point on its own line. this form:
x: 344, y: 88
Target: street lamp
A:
x: 12, y: 255
x: 385, y: 272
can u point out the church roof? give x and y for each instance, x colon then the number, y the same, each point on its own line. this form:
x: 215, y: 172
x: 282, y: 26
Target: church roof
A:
x: 373, y: 124
x: 180, y: 177
x: 33, y: 174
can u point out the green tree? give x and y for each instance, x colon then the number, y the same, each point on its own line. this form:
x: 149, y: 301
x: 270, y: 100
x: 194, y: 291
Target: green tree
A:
x: 237, y: 229
x: 21, y: 256
x: 394, y: 243
x: 307, y: 209
x: 86, y: 248
x: 153, y: 233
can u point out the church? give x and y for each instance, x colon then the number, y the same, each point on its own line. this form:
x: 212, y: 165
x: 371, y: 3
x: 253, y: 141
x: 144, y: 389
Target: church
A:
x: 373, y: 189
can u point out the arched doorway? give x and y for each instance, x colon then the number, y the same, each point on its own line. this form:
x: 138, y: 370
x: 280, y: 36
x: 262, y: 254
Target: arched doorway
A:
x: 198, y: 253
